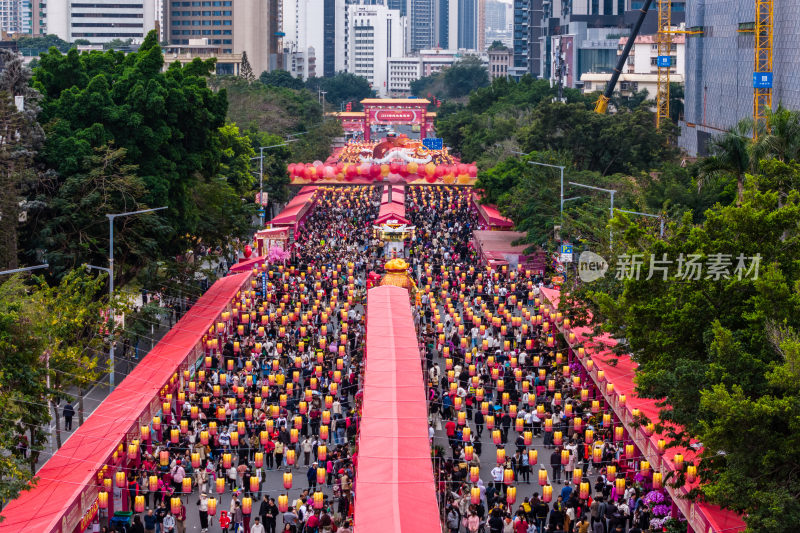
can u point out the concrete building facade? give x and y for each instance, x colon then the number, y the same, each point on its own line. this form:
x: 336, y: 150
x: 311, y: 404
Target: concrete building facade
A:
x: 501, y: 60
x: 375, y: 33
x: 641, y: 69
x: 101, y: 21
x: 233, y: 26
x: 315, y: 37
x: 16, y: 16
x: 719, y: 67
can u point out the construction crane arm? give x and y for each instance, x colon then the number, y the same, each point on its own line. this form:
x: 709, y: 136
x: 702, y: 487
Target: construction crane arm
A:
x: 602, y: 103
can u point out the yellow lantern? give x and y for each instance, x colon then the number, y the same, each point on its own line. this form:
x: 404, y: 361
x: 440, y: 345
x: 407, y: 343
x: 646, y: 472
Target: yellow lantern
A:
x: 630, y: 451
x: 691, y: 473
x: 475, y: 495
x: 186, y: 485
x: 138, y: 504
x: 533, y: 457
x: 283, y: 503
x: 220, y: 485
x: 511, y: 495
x: 584, y: 490
x: 501, y: 456
x: 212, y: 506
x: 577, y: 476
x: 474, y: 474
x: 103, y: 500
x: 619, y: 483
x: 542, y: 477
x: 319, y: 500
x: 175, y: 505
x: 247, y: 504
x: 657, y: 480
x: 547, y: 493
x: 287, y: 480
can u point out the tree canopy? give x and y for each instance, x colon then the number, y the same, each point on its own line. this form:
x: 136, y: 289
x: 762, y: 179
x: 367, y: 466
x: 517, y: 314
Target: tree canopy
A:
x: 455, y: 81
x: 123, y: 135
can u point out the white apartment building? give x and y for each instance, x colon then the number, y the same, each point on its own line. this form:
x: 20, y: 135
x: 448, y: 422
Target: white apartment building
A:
x: 641, y: 69
x: 374, y: 34
x: 101, y: 21
x: 16, y: 16
x: 314, y: 37
x: 401, y: 71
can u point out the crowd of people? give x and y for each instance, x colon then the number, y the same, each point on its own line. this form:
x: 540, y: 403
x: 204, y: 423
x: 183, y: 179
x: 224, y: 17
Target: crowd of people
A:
x: 273, y: 411
x: 500, y: 385
x: 278, y: 391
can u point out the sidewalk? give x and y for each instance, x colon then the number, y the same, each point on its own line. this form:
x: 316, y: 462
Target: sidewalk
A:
x: 95, y: 396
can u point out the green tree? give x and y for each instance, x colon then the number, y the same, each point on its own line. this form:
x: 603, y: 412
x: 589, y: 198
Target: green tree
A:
x: 22, y: 388
x: 341, y: 88
x: 465, y: 76
x: 70, y: 317
x: 167, y: 121
x: 236, y: 161
x: 30, y: 45
x: 716, y: 348
x: 246, y: 70
x: 75, y: 229
x: 281, y: 78
x: 20, y: 137
x: 621, y: 142
x: 731, y: 157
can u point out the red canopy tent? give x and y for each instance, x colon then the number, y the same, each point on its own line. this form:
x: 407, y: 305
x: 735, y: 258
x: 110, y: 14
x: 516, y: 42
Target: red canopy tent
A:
x: 496, y: 249
x: 394, y: 486
x: 620, y: 371
x: 297, y: 208
x: 391, y: 211
x: 490, y: 216
x: 67, y: 488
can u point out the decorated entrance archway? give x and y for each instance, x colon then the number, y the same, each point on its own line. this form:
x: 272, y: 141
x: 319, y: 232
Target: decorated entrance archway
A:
x: 388, y: 112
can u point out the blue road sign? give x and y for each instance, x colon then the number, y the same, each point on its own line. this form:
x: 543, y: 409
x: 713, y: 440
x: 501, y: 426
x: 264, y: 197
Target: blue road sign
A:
x: 664, y: 61
x: 433, y: 143
x: 566, y: 248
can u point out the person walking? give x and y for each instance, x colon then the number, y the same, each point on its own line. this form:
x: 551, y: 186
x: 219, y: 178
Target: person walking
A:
x: 202, y: 503
x: 68, y: 413
x: 269, y: 514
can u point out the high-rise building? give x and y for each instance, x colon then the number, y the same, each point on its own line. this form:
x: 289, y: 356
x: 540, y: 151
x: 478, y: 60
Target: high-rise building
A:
x: 495, y: 15
x: 16, y: 16
x: 719, y: 66
x: 421, y: 24
x: 235, y: 26
x: 399, y: 5
x: 315, y: 35
x: 375, y: 33
x: 521, y: 40
x: 471, y: 24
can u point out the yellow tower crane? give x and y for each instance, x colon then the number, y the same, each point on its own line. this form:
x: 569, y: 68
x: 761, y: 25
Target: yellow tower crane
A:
x: 762, y: 64
x: 664, y: 61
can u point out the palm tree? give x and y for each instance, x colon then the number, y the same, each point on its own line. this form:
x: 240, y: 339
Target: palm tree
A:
x: 731, y: 155
x: 782, y: 140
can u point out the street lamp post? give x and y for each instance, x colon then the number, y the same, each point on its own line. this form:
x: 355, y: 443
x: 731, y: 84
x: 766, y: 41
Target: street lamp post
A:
x: 261, y: 171
x: 561, y: 170
x: 110, y: 271
x: 610, y: 208
x: 659, y: 217
x: 25, y: 269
